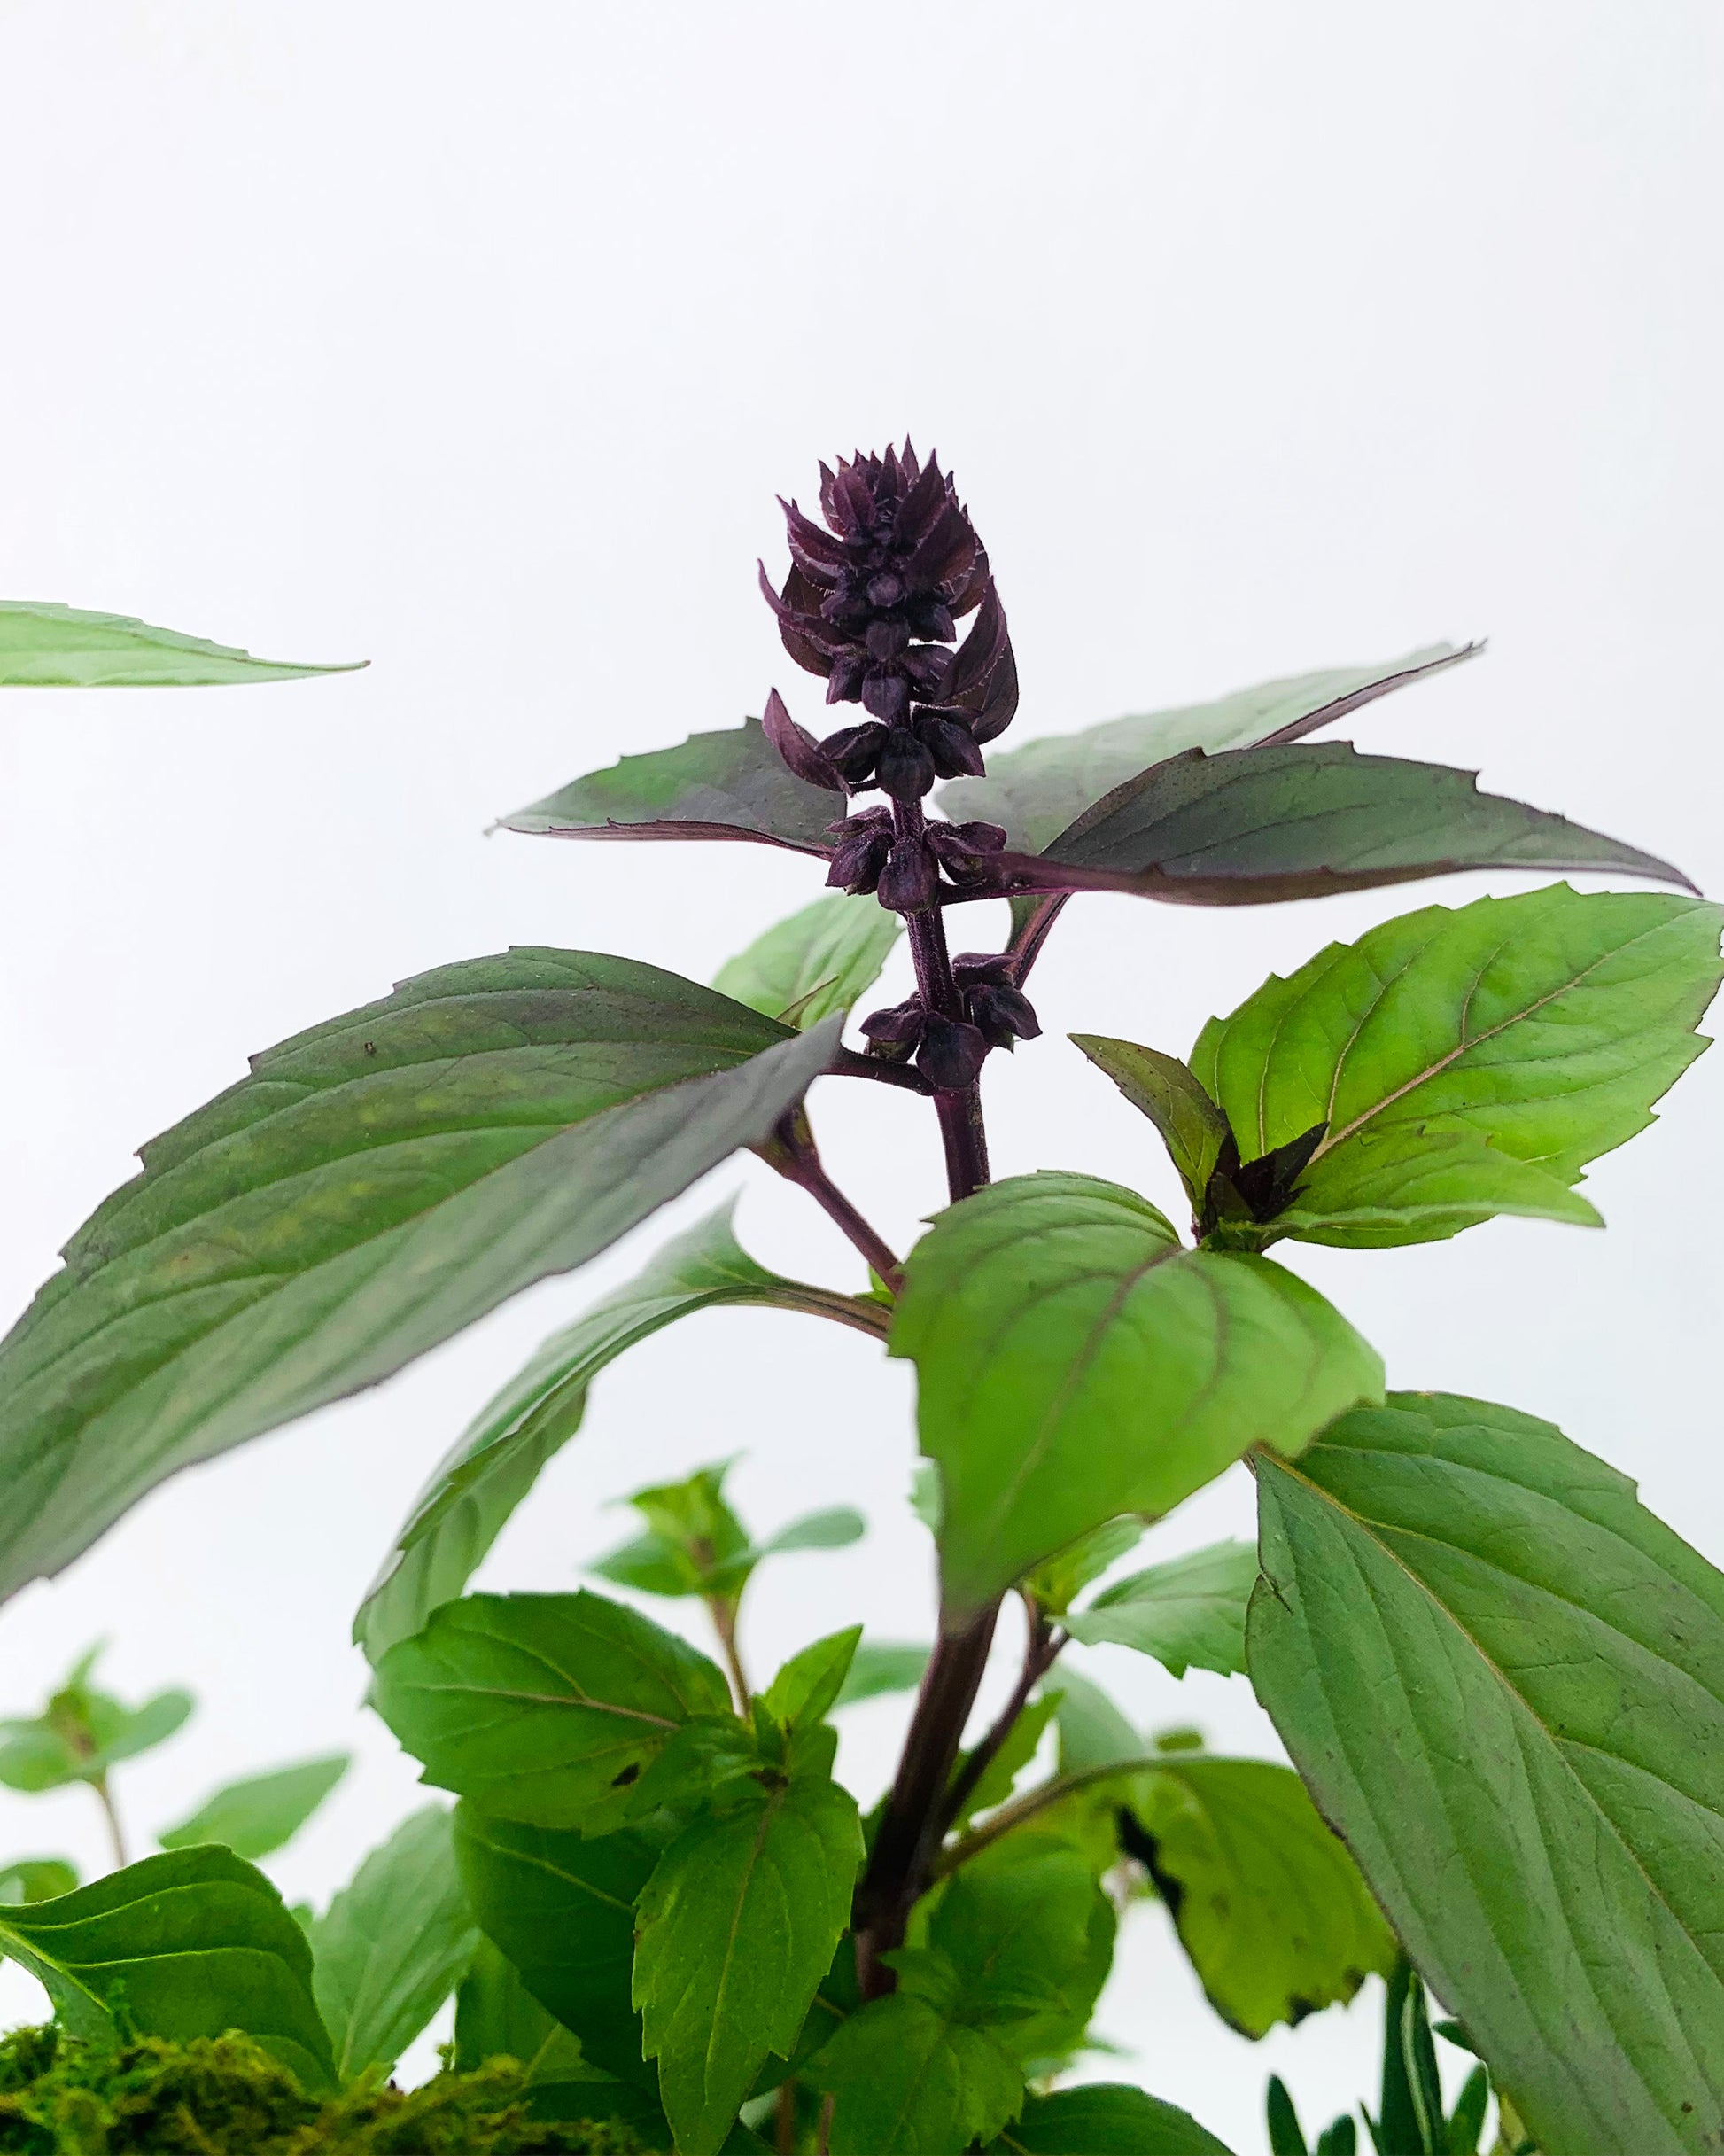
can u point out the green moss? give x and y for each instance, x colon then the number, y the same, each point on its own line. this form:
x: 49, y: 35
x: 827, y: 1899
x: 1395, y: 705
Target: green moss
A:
x: 225, y: 2096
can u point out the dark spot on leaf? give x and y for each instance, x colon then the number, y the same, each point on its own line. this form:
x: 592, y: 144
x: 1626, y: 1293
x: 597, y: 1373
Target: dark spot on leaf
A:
x: 630, y: 1773
x: 370, y: 1047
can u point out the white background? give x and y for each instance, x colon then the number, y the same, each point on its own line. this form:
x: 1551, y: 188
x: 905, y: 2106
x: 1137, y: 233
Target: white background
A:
x: 477, y: 340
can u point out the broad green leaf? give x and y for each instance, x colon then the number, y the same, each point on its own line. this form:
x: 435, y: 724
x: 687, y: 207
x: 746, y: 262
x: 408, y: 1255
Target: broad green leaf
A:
x: 807, y: 1686
x: 261, y: 1814
x: 737, y: 1926
x: 561, y: 1908
x: 1188, y: 1612
x: 1093, y: 1732
x: 542, y: 1708
x: 1031, y: 1935
x: 82, y: 1733
x: 497, y: 2016
x: 1267, y: 1903
x: 1105, y: 2119
x: 498, y: 1458
x: 189, y: 1944
x: 907, y: 2079
x: 732, y: 784
x: 373, y: 1187
x: 1420, y: 1183
x: 1259, y: 826
x: 1193, y: 1128
x: 1547, y: 1024
x: 37, y: 1878
x: 43, y: 645
x: 387, y: 1952
x: 1503, y: 1681
x: 1036, y: 791
x: 1074, y: 1363
x: 881, y: 1666
x: 815, y: 964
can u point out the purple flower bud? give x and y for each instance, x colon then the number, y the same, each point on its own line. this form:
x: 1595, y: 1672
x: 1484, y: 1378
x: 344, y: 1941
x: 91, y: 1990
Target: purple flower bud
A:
x: 905, y: 769
x: 909, y: 881
x: 886, y: 694
x: 864, y: 843
x: 952, y: 746
x: 951, y: 1054
x: 798, y: 747
x: 998, y: 968
x: 899, y: 1025
x: 963, y: 849
x: 1004, y: 1015
x: 854, y: 750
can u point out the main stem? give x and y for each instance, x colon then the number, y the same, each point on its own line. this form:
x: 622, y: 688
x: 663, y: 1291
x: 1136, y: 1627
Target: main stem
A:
x: 913, y: 1824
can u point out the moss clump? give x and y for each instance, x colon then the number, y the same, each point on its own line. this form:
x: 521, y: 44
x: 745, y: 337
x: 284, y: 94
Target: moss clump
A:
x: 225, y: 2096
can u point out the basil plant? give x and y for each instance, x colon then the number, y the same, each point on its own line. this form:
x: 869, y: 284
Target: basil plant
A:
x: 1499, y: 1679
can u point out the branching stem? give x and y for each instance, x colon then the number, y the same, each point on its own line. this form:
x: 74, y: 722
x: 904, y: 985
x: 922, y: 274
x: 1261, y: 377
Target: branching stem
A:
x: 792, y: 1151
x: 1043, y: 1646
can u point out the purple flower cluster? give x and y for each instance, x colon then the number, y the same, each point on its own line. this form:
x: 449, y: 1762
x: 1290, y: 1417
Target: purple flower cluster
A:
x: 872, y: 602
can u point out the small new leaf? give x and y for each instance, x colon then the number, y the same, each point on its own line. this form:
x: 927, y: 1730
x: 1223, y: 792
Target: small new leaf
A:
x: 1188, y: 1612
x: 393, y: 1941
x: 815, y: 964
x: 881, y: 1666
x: 1193, y: 1128
x: 1055, y: 1585
x: 257, y: 1817
x: 82, y: 1733
x: 810, y: 1685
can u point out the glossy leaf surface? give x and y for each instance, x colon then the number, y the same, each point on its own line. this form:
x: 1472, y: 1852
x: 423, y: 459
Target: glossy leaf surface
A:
x: 1256, y: 827
x: 561, y: 1907
x: 494, y: 1464
x: 815, y: 964
x: 1038, y: 791
x: 543, y: 1708
x: 1547, y: 1024
x: 1188, y: 1612
x: 257, y: 1817
x: 388, y: 1952
x: 1267, y: 1903
x: 737, y: 1926
x: 1074, y: 1363
x: 1503, y: 1678
x: 43, y: 645
x: 373, y: 1186
x: 1105, y: 2119
x: 732, y: 784
x: 194, y: 1942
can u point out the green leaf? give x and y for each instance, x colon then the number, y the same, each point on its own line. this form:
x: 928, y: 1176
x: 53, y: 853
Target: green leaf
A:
x: 543, y: 1708
x: 1286, y: 2137
x: 999, y: 1777
x: 1255, y: 826
x: 43, y: 645
x: 1055, y: 1585
x: 1188, y: 1612
x: 1031, y: 1936
x: 261, y: 1814
x: 1547, y: 1024
x: 737, y: 1926
x: 1105, y: 2119
x: 387, y: 1952
x: 881, y: 1666
x: 1092, y: 1731
x: 373, y: 1187
x: 561, y: 1908
x: 832, y: 1528
x: 82, y: 1733
x: 1036, y: 791
x: 1193, y: 1128
x: 810, y: 1684
x: 908, y: 2080
x: 1503, y: 1681
x: 191, y: 1944
x: 37, y: 1878
x: 1074, y: 1363
x: 693, y: 1544
x: 1267, y: 1903
x: 732, y: 784
x: 498, y: 1459
x: 815, y: 964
